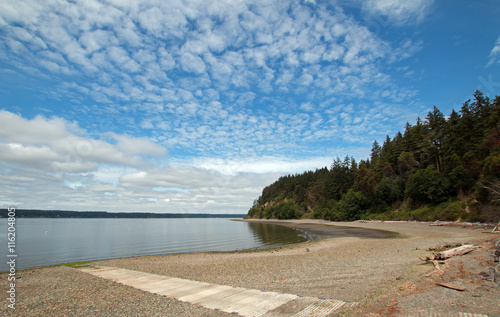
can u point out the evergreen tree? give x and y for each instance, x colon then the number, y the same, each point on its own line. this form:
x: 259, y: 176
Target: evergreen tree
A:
x: 436, y: 128
x: 376, y: 151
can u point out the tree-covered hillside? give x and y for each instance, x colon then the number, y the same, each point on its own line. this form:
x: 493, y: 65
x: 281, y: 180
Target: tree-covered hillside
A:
x: 440, y: 168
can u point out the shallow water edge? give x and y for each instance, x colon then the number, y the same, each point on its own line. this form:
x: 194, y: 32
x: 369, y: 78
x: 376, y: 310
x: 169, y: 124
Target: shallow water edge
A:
x: 320, y: 229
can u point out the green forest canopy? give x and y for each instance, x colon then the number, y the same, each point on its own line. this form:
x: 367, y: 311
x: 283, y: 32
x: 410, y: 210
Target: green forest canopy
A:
x: 441, y: 168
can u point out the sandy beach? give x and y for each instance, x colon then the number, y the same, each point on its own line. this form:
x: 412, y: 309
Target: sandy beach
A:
x: 383, y: 273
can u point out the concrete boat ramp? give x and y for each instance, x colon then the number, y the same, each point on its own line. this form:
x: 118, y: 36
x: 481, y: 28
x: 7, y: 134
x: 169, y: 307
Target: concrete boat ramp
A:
x: 234, y: 300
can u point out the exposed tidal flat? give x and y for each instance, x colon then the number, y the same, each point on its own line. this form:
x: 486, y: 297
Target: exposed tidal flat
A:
x: 383, y: 275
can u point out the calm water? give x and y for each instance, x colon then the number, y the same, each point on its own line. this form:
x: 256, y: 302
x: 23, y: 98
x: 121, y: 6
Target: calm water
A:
x: 45, y: 241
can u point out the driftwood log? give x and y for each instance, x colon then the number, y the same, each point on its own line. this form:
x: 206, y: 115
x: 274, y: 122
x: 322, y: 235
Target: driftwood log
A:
x: 464, y: 249
x: 455, y: 287
x: 496, y: 229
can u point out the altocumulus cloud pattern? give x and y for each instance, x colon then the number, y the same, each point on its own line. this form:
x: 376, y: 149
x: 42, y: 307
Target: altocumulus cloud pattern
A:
x: 194, y: 106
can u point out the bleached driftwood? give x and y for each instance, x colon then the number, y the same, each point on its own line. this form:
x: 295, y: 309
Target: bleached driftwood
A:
x: 464, y: 249
x: 455, y: 287
x: 437, y: 264
x: 496, y: 229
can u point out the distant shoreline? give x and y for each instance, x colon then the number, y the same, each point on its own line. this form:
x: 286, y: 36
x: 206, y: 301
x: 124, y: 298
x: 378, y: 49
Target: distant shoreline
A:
x: 36, y: 213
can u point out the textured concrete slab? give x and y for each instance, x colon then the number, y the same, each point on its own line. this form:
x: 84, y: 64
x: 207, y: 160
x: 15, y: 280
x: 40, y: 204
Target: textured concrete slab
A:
x: 136, y: 280
x: 150, y: 284
x: 166, y: 288
x: 238, y: 302
x: 264, y: 306
x: 220, y: 299
x: 187, y: 286
x: 292, y: 307
x: 253, y: 298
x: 235, y: 300
x: 195, y: 297
x: 200, y: 287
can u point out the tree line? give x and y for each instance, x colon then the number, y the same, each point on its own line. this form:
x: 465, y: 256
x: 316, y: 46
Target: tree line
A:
x: 440, y: 168
x: 35, y: 213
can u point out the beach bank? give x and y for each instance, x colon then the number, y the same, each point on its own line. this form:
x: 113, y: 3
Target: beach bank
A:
x: 382, y: 274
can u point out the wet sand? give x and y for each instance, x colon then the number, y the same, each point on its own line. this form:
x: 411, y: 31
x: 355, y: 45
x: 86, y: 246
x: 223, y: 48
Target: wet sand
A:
x: 322, y: 229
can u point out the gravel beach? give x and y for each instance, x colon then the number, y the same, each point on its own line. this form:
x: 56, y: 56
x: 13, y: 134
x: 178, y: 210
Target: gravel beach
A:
x: 383, y: 273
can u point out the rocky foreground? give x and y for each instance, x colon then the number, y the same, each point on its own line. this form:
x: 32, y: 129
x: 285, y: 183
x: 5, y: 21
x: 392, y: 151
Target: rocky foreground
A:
x: 387, y: 276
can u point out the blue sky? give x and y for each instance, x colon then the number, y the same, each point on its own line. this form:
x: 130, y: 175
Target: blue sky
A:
x: 195, y: 106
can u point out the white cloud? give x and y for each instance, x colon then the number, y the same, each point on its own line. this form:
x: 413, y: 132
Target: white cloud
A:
x: 39, y: 130
x: 495, y: 53
x: 134, y: 146
x: 56, y: 144
x: 398, y: 12
x: 258, y: 38
x: 16, y: 152
x: 261, y: 165
x: 192, y: 63
x: 165, y: 20
x: 13, y: 13
x: 307, y: 106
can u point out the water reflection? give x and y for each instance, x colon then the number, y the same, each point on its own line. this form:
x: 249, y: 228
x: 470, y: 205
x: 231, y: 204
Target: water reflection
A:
x: 270, y: 234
